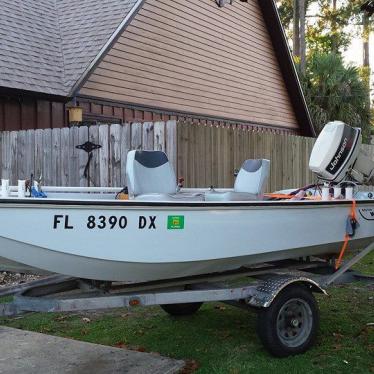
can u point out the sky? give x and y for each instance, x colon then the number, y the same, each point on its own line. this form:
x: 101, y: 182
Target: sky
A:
x: 354, y: 54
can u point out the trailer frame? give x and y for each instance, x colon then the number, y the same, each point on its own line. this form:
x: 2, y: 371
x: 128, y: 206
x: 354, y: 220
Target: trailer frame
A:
x: 270, y: 282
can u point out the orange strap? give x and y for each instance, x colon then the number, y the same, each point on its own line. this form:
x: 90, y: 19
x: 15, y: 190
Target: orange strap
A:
x: 352, y: 215
x: 279, y: 195
x: 353, y: 210
x: 342, y: 251
x: 289, y: 197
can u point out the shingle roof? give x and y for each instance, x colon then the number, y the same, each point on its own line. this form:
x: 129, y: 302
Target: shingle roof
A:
x: 46, y: 45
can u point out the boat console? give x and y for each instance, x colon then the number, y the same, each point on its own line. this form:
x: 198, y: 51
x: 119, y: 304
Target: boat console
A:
x: 337, y: 155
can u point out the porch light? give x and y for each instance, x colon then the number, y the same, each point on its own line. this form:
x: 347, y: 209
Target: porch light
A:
x: 75, y: 114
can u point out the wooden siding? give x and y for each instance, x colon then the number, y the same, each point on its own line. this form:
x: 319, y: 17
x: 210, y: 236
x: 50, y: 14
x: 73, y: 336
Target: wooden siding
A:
x: 105, y: 112
x: 192, y: 56
x: 23, y: 113
x: 32, y: 113
x: 110, y: 112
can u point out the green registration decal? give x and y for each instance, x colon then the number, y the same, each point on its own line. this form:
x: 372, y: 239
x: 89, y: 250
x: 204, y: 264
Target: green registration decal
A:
x: 175, y: 222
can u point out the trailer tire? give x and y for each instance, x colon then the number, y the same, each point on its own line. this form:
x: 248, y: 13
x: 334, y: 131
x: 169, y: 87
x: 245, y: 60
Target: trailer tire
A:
x: 184, y: 309
x: 290, y: 324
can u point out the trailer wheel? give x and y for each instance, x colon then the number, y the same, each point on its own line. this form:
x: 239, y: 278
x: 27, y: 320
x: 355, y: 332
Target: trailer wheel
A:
x: 184, y: 309
x: 289, y: 325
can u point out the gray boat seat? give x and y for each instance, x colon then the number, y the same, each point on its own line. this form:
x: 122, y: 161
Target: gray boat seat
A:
x: 151, y: 177
x: 249, y: 184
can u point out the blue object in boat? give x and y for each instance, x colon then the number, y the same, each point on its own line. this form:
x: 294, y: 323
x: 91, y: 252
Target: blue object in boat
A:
x: 35, y: 193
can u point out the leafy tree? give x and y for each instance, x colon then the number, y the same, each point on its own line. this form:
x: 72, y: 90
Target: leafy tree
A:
x: 331, y: 29
x: 335, y: 92
x: 285, y: 8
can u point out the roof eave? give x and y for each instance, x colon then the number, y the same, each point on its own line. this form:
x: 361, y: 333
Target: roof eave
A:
x: 16, y: 92
x: 287, y: 65
x: 105, y: 49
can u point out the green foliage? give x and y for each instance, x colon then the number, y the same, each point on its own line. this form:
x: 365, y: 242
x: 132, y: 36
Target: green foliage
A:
x: 333, y: 91
x: 285, y: 8
x: 336, y: 92
x: 330, y: 31
x: 330, y: 28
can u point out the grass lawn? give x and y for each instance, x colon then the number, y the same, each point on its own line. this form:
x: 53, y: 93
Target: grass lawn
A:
x: 222, y: 339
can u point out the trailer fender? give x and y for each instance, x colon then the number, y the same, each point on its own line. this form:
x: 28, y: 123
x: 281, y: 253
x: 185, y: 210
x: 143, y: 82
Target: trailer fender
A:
x: 268, y: 290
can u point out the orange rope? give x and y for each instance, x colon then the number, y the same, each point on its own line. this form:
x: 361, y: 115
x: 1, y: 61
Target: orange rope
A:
x: 352, y: 216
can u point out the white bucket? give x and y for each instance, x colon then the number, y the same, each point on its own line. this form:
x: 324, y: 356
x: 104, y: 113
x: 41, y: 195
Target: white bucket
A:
x: 325, y: 193
x: 349, y: 193
x: 5, y: 188
x: 337, y: 192
x: 21, y: 189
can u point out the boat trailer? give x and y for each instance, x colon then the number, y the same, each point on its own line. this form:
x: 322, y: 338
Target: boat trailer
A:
x: 281, y: 293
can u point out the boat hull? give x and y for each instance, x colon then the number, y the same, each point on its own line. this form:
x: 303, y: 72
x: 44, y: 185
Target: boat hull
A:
x: 17, y: 267
x: 161, y: 241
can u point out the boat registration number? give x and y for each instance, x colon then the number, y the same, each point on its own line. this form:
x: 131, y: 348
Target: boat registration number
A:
x: 104, y: 222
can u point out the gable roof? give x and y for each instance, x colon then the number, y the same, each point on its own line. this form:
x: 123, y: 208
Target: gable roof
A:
x: 46, y: 45
x: 52, y: 46
x: 287, y: 65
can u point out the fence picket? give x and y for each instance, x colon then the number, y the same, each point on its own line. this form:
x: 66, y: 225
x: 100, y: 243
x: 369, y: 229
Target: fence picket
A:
x: 64, y: 151
x: 104, y: 155
x: 148, y: 136
x: 82, y: 156
x: 171, y: 142
x: 159, y: 136
x: 115, y: 155
x: 125, y: 147
x: 136, y: 136
x: 56, y: 158
x: 21, y: 155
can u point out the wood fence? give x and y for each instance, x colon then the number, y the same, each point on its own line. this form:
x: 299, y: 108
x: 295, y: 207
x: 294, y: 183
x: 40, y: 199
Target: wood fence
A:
x: 52, y: 153
x: 204, y: 155
x: 209, y: 155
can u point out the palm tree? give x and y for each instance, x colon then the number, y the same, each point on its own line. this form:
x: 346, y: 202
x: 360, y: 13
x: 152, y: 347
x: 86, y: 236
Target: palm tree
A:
x: 335, y: 92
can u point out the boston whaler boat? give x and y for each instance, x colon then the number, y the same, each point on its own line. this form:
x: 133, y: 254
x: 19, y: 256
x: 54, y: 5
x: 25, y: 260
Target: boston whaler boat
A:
x: 163, y: 232
x: 170, y: 246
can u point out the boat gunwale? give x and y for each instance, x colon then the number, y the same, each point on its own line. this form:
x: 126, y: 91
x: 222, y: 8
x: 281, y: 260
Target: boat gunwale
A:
x: 167, y: 204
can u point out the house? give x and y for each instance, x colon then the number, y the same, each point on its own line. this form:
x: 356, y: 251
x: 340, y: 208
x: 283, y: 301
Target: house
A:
x: 146, y: 60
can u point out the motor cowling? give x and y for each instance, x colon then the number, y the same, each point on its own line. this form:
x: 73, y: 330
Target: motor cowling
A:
x: 337, y: 155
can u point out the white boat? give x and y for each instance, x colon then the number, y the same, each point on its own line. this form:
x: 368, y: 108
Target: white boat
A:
x: 162, y: 232
x: 16, y: 267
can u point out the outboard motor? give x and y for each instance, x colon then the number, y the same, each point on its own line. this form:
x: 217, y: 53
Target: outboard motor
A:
x: 337, y: 155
